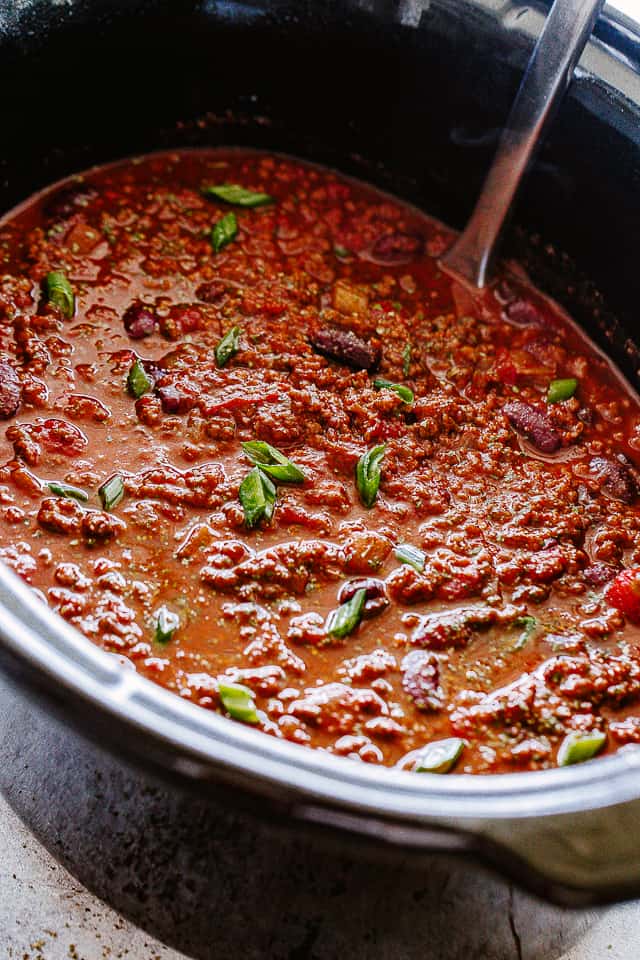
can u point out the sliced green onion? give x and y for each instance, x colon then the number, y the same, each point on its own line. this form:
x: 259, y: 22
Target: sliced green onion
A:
x: 368, y: 473
x: 271, y: 461
x: 224, y: 231
x: 560, y: 390
x: 406, y: 359
x: 439, y: 756
x: 228, y: 346
x: 67, y: 490
x: 167, y: 622
x: 258, y: 497
x: 578, y: 747
x: 407, y: 553
x: 138, y: 380
x: 111, y: 492
x: 405, y: 393
x: 59, y: 293
x: 527, y: 626
x: 237, y: 195
x: 238, y: 701
x: 340, y: 251
x: 344, y: 619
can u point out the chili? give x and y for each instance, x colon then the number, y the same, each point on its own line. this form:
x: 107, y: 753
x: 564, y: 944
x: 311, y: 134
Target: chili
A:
x: 258, y: 443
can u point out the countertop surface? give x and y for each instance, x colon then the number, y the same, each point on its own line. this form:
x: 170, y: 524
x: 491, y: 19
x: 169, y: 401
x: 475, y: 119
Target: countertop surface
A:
x: 45, y: 914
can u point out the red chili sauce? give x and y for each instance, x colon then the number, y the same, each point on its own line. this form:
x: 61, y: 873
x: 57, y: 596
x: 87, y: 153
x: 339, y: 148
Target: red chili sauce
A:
x: 433, y: 531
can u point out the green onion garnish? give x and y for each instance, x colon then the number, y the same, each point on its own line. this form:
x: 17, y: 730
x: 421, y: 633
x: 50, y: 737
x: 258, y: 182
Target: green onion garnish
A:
x: 111, y: 492
x: 237, y: 701
x: 224, y: 231
x: 258, y: 497
x: 237, y: 195
x: 580, y: 746
x: 345, y: 618
x: 271, y: 461
x: 527, y: 627
x: 407, y: 553
x: 59, y: 293
x: 228, y: 346
x: 560, y: 390
x: 405, y: 393
x: 368, y: 473
x: 67, y: 490
x: 439, y: 756
x: 406, y: 359
x: 167, y: 622
x: 341, y: 252
x: 138, y: 380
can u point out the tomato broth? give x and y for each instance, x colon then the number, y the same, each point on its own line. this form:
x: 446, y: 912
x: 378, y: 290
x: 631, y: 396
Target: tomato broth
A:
x: 259, y: 444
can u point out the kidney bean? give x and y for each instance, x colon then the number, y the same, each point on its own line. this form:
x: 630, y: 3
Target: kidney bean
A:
x: 616, y: 479
x: 534, y: 424
x: 421, y: 679
x: 139, y: 320
x: 177, y: 397
x: 10, y: 391
x: 211, y: 292
x: 376, y: 594
x: 397, y: 247
x: 346, y: 347
x: 69, y: 200
x: 598, y: 574
x: 524, y: 314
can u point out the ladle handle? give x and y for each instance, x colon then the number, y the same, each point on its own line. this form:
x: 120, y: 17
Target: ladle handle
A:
x: 548, y: 74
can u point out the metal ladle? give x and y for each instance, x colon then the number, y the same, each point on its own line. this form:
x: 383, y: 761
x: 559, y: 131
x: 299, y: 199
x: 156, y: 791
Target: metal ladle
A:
x: 548, y: 74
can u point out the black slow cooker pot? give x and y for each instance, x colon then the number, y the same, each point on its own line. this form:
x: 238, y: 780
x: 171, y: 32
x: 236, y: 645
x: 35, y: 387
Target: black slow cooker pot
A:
x: 410, y: 95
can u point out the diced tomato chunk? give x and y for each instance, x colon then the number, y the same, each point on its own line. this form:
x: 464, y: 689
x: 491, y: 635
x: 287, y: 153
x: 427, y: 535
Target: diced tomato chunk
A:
x: 623, y: 593
x: 506, y: 370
